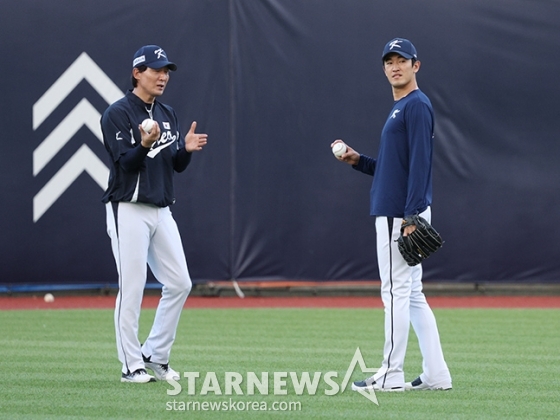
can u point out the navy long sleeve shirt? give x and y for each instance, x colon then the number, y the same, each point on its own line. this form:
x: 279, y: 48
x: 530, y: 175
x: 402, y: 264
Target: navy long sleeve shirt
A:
x: 402, y: 172
x: 138, y: 174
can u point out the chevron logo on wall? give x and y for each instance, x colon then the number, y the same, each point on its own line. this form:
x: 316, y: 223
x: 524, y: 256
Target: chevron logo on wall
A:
x: 83, y: 114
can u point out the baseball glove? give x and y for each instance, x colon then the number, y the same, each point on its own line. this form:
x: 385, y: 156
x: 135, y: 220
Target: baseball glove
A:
x: 421, y: 243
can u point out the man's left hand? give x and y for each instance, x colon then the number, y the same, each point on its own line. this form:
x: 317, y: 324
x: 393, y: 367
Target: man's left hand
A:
x: 195, y: 141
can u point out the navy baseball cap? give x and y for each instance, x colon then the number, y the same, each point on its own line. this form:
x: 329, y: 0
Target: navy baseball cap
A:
x: 153, y: 57
x: 400, y: 46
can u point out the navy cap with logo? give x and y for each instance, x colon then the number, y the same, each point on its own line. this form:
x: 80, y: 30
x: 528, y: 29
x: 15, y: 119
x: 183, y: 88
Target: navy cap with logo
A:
x: 400, y: 46
x: 153, y: 57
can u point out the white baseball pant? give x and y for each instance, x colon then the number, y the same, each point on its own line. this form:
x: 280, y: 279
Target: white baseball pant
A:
x: 145, y: 234
x: 405, y: 304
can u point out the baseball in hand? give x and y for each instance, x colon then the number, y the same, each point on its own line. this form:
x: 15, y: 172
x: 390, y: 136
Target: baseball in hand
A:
x: 339, y: 149
x: 49, y: 298
x: 147, y: 125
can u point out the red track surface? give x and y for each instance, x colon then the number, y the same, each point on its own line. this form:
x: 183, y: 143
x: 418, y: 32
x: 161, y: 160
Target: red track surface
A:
x: 95, y: 302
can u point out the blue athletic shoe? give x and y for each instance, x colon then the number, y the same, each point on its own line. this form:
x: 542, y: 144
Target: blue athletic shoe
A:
x: 417, y: 384
x: 370, y: 384
x: 139, y: 376
x: 162, y: 371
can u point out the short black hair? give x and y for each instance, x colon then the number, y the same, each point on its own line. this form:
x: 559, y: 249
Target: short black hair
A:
x: 414, y: 60
x: 133, y: 79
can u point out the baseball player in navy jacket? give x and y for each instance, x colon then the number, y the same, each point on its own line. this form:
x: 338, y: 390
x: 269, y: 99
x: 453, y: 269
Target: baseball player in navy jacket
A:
x: 139, y: 221
x: 402, y: 187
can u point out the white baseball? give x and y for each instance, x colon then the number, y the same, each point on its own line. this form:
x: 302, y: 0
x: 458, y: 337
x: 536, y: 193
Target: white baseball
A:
x: 49, y: 298
x: 339, y: 149
x: 147, y: 125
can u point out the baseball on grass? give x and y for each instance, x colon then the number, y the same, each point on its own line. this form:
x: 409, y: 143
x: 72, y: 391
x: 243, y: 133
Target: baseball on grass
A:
x: 339, y: 149
x: 147, y: 125
x: 49, y: 298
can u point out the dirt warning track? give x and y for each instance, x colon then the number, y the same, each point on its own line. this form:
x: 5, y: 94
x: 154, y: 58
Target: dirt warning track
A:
x: 151, y: 301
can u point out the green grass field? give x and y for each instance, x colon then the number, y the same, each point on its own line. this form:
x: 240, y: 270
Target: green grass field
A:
x: 62, y: 364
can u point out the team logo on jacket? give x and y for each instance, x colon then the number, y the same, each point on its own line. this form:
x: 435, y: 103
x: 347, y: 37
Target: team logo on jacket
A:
x: 166, y: 140
x: 395, y: 112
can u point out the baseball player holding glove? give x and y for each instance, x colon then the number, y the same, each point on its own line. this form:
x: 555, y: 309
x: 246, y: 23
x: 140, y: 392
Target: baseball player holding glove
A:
x: 139, y: 221
x: 401, y: 195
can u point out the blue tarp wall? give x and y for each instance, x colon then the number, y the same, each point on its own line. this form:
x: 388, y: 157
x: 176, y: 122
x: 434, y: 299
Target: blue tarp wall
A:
x: 273, y: 83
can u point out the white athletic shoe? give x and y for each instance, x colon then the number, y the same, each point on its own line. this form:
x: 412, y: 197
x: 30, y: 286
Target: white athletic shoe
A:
x: 370, y: 384
x: 162, y: 371
x: 417, y: 384
x: 139, y: 376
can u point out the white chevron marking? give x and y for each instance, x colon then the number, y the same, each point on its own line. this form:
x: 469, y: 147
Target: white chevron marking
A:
x: 83, y: 160
x: 83, y: 114
x: 83, y: 68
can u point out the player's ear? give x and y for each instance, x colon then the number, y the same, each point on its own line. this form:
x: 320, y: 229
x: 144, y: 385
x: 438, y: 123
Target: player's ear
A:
x: 134, y: 77
x: 416, y: 65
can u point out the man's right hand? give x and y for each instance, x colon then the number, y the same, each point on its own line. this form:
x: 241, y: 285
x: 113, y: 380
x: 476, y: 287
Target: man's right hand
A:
x: 351, y: 156
x: 149, y: 139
